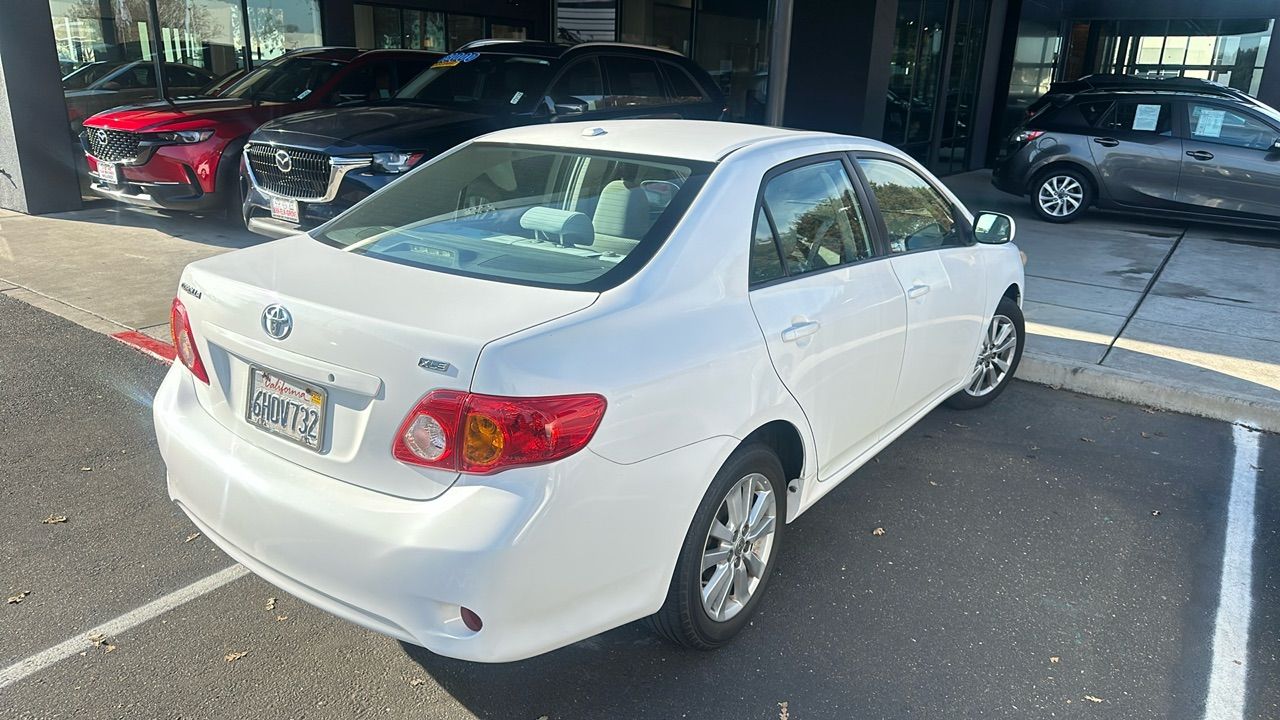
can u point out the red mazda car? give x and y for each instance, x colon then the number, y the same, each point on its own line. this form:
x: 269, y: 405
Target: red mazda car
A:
x: 185, y: 154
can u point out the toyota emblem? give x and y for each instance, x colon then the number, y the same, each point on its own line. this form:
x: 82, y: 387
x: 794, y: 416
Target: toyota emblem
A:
x: 277, y: 322
x: 284, y: 161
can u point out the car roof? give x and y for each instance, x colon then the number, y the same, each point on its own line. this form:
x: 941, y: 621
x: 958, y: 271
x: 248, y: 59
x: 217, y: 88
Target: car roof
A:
x: 697, y: 140
x: 542, y: 48
x: 1103, y: 93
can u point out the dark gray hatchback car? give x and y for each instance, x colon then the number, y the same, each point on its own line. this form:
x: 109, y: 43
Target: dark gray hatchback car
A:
x: 1192, y: 154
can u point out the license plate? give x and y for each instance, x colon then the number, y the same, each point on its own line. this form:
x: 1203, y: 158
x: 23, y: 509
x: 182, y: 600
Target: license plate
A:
x: 108, y: 173
x: 285, y: 406
x: 284, y: 209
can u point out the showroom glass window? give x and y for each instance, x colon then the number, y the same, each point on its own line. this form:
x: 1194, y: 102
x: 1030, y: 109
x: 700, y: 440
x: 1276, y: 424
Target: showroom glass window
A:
x: 392, y: 26
x: 205, y: 39
x: 727, y: 38
x: 1229, y: 52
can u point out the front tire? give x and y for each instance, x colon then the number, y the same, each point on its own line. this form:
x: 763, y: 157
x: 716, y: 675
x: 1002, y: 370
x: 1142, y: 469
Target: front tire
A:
x: 728, y: 554
x: 997, y: 360
x: 1061, y: 195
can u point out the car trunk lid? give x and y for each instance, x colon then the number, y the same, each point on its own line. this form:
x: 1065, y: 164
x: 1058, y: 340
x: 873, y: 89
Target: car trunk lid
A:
x: 372, y: 336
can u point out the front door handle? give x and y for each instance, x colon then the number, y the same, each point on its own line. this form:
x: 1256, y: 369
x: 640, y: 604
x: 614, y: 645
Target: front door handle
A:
x: 917, y: 290
x: 1106, y: 141
x: 1200, y: 154
x: 800, y: 330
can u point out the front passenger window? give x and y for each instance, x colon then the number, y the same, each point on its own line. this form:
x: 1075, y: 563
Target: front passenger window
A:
x: 817, y: 220
x: 915, y: 215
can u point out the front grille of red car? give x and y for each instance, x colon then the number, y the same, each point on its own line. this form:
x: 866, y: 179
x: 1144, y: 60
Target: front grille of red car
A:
x: 301, y: 174
x: 112, y: 145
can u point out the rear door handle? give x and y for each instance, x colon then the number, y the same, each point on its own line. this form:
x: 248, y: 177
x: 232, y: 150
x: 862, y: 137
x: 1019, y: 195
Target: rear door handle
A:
x: 1107, y: 142
x: 917, y: 290
x: 800, y: 330
x: 1200, y: 154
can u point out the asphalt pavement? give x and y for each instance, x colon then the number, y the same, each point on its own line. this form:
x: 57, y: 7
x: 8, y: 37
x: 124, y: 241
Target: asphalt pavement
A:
x: 1051, y: 556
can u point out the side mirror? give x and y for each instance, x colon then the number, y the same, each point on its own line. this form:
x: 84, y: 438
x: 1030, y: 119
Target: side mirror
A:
x: 566, y: 107
x: 993, y: 228
x: 1275, y: 146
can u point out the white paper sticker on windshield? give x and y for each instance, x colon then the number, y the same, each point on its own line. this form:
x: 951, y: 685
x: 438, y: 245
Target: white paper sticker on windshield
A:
x: 1209, y: 124
x: 516, y: 98
x: 1146, y: 118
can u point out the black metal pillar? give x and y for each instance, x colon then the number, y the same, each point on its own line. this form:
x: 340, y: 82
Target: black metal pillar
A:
x: 157, y: 49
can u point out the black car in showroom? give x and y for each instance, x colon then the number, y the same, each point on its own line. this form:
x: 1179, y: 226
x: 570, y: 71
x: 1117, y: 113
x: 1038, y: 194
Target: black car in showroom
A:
x: 1187, y: 153
x: 302, y: 170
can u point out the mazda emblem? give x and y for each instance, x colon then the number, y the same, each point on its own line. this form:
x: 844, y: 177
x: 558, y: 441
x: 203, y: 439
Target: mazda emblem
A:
x: 277, y: 322
x: 102, y: 136
x: 284, y: 161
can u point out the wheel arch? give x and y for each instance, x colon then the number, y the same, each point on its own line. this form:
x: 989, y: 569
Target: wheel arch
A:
x: 1014, y: 293
x: 1060, y: 164
x: 785, y: 439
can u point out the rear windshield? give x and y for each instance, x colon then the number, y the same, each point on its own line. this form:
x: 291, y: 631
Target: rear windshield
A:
x: 526, y: 215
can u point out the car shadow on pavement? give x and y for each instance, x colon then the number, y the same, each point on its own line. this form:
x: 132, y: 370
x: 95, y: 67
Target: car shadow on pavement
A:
x: 1053, y: 547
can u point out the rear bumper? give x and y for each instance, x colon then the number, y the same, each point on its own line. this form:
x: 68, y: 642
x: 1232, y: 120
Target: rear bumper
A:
x: 1009, y: 176
x: 545, y: 556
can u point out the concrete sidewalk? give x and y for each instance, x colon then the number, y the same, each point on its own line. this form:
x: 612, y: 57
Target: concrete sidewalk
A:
x: 1179, y: 317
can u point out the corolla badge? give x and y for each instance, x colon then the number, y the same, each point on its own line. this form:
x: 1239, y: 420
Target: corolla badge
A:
x: 284, y: 161
x: 277, y: 322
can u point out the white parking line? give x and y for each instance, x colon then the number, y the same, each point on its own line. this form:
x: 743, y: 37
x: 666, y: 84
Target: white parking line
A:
x: 1230, y: 667
x: 112, y: 628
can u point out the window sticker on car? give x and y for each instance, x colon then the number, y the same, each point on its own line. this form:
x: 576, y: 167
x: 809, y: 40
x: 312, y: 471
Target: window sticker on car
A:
x: 457, y: 58
x: 1209, y: 124
x: 1146, y: 118
x: 516, y: 98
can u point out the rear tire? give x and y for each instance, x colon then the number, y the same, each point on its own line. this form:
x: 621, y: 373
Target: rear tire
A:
x: 728, y: 554
x: 997, y: 360
x: 1060, y: 195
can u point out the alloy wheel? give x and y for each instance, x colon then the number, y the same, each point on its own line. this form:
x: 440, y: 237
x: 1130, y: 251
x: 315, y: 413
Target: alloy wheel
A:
x: 739, y: 542
x: 995, y: 358
x: 1060, y: 195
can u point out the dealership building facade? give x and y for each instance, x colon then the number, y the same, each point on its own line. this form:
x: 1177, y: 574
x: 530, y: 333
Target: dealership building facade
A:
x: 942, y: 79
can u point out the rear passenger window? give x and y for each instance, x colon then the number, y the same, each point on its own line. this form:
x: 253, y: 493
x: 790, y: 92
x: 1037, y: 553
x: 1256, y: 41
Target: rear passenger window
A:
x: 915, y: 215
x: 816, y: 219
x: 1093, y: 111
x: 633, y: 82
x: 1135, y: 116
x: 683, y: 88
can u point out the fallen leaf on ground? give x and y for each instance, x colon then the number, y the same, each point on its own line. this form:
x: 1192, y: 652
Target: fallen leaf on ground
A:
x: 1054, y: 659
x: 108, y: 647
x: 933, y: 483
x: 783, y: 712
x: 878, y: 532
x: 85, y: 469
x: 97, y: 639
x: 418, y: 681
x: 1155, y: 513
x: 271, y: 603
x: 1108, y: 418
x: 232, y: 657
x: 281, y: 618
x: 54, y: 519
x: 1145, y: 435
x: 1085, y: 439
x: 1093, y: 699
x: 15, y: 599
x: 191, y: 537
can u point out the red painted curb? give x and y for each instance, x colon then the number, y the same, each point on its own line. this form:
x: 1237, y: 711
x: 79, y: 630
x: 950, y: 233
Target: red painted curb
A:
x: 157, y: 349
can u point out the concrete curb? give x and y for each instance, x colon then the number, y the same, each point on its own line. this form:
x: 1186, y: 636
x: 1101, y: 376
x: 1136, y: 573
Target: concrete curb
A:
x: 1148, y: 390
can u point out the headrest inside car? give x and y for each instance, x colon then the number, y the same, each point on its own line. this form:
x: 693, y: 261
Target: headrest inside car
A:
x: 565, y: 226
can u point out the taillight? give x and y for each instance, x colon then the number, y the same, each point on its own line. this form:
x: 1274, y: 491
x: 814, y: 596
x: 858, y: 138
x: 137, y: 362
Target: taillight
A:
x: 482, y: 434
x: 1025, y: 136
x: 184, y: 342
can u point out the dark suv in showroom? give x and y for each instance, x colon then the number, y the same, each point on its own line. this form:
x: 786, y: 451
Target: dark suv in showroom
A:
x: 304, y: 169
x: 1187, y: 152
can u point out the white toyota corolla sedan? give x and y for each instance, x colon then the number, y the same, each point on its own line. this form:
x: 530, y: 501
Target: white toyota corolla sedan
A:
x: 569, y: 376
